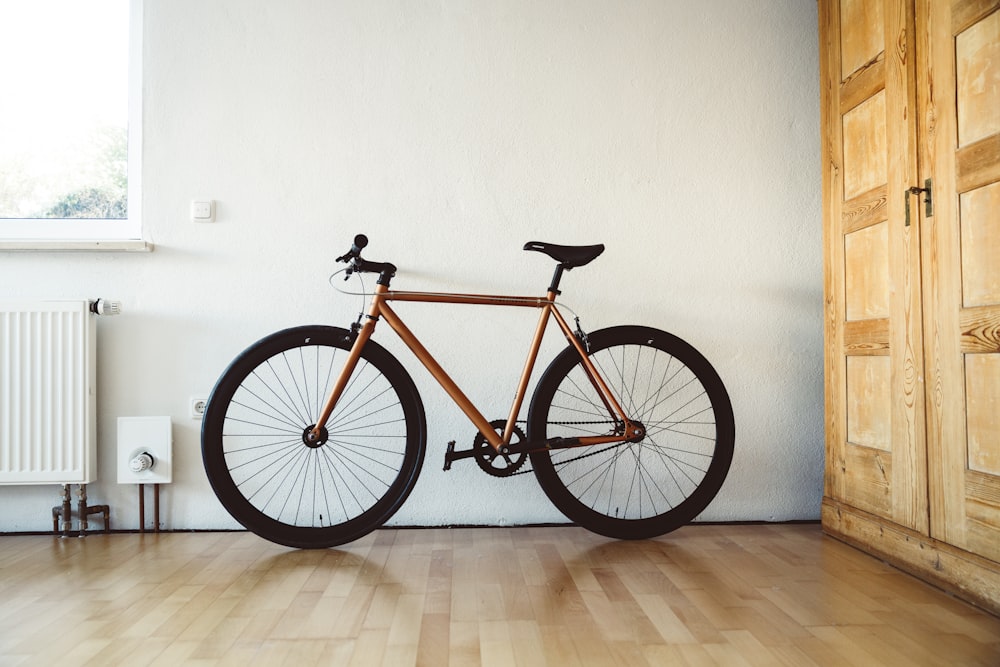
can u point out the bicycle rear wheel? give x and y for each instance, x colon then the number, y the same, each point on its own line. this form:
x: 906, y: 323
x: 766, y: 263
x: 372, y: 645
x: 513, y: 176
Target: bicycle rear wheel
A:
x: 307, y: 494
x: 633, y: 490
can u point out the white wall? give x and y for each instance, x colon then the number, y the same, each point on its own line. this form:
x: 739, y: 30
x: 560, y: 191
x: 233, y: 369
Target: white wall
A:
x: 682, y: 135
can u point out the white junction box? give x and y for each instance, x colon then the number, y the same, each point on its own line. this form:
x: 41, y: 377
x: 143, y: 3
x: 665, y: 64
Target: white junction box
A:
x: 145, y: 449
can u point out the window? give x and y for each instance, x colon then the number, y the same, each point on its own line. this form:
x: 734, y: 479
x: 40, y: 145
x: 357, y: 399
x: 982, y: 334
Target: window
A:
x: 69, y: 121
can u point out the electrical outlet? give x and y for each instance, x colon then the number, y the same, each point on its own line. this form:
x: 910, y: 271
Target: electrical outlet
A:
x: 197, y: 407
x: 203, y: 211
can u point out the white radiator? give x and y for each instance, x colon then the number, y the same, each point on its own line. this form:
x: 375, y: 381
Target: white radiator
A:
x: 47, y: 393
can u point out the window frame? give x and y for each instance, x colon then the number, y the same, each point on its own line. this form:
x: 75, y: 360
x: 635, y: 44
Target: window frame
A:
x: 97, y: 234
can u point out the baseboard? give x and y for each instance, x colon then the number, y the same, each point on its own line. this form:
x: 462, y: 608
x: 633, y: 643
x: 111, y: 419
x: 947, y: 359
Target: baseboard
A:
x: 966, y: 575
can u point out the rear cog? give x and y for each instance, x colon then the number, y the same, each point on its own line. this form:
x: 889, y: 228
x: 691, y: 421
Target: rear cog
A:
x: 497, y: 463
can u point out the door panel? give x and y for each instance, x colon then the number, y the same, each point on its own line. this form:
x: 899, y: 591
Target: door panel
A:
x: 875, y: 420
x: 869, y: 402
x: 866, y: 272
x: 960, y: 134
x: 977, y: 50
x: 862, y: 34
x: 865, y: 146
x: 982, y: 386
x: 980, y: 241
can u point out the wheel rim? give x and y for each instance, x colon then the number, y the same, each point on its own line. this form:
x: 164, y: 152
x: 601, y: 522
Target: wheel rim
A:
x: 292, y: 480
x: 644, y: 479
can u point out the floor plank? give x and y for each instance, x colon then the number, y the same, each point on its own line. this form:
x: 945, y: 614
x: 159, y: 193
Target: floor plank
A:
x: 703, y: 595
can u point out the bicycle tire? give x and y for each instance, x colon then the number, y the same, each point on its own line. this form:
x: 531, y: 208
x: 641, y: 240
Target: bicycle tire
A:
x: 305, y: 495
x: 647, y: 488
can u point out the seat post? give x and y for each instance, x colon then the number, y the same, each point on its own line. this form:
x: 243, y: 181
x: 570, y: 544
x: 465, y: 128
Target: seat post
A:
x: 556, y: 277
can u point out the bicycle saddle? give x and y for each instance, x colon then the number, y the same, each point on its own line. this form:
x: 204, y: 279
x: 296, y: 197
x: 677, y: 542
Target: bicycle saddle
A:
x: 569, y: 256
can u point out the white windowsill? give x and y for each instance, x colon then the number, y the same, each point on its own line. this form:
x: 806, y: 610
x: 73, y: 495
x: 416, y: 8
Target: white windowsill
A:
x: 75, y: 246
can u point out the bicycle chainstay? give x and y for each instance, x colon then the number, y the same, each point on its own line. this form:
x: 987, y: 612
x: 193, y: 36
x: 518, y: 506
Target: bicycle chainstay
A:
x: 452, y: 456
x: 575, y: 458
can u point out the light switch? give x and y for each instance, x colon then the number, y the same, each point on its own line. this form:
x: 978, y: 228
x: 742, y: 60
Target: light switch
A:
x: 203, y: 211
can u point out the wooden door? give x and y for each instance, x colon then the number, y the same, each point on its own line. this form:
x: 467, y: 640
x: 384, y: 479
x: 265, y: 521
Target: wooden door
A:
x: 960, y: 135
x: 876, y: 457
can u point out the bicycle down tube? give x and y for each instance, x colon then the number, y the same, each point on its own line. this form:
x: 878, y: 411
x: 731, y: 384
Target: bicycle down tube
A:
x: 379, y: 308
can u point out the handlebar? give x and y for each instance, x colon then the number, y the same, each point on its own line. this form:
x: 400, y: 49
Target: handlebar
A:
x: 353, y: 257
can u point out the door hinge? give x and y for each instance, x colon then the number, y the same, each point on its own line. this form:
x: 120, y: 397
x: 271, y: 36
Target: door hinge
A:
x: 928, y: 200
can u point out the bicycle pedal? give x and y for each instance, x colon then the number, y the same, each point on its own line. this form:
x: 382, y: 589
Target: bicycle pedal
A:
x: 448, y: 454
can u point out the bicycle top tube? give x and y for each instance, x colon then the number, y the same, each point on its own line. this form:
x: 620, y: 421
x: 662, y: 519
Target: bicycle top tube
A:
x: 471, y: 299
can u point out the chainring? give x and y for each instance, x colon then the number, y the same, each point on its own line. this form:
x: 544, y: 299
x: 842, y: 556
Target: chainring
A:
x: 496, y: 463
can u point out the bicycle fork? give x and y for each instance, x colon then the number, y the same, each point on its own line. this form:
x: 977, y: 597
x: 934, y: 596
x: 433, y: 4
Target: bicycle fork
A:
x: 360, y: 336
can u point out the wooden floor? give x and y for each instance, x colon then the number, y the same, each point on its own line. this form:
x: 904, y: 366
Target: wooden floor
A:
x: 704, y: 595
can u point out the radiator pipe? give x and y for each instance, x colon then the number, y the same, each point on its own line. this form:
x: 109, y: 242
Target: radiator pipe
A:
x: 142, y: 508
x: 82, y: 505
x: 67, y: 511
x: 64, y: 513
x: 86, y: 510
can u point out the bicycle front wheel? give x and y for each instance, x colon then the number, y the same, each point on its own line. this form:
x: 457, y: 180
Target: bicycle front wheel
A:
x: 296, y: 491
x: 633, y: 490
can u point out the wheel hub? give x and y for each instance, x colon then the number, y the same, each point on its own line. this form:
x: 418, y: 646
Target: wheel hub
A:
x: 317, y: 439
x: 635, y: 431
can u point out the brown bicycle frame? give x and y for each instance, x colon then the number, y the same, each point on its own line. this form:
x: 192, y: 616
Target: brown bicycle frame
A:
x: 380, y: 308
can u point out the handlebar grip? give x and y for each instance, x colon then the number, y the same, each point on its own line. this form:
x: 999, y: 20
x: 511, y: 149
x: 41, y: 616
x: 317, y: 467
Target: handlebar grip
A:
x: 360, y: 241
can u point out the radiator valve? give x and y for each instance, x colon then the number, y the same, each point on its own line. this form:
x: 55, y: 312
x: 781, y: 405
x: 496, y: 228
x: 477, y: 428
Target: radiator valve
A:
x: 140, y: 462
x: 105, y: 307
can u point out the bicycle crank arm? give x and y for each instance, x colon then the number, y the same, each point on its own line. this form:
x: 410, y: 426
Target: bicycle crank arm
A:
x: 451, y: 455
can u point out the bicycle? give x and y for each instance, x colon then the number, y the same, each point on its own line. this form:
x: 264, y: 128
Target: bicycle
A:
x: 314, y: 436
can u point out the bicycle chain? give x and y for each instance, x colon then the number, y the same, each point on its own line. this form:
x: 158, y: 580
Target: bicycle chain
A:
x: 577, y: 458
